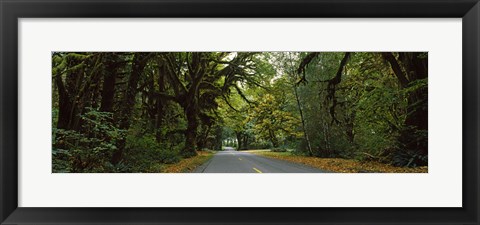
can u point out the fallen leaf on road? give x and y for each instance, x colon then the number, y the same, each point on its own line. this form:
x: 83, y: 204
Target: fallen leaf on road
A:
x: 341, y: 165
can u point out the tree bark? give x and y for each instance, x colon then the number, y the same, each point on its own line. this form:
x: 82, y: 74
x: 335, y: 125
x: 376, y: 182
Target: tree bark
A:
x: 240, y: 139
x: 65, y: 104
x: 246, y: 142
x: 108, y: 87
x: 414, y: 68
x: 273, y: 138
x: 417, y: 110
x: 191, y: 133
x: 196, y: 72
x: 305, y: 134
x: 161, y: 103
x: 68, y: 96
x: 202, y: 141
x: 128, y: 102
x: 397, y: 69
x: 332, y: 83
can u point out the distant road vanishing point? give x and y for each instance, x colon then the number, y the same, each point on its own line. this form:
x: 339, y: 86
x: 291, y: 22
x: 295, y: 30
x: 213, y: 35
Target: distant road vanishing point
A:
x: 232, y: 161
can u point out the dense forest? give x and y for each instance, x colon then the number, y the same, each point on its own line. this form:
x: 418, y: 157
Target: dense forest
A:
x: 139, y: 111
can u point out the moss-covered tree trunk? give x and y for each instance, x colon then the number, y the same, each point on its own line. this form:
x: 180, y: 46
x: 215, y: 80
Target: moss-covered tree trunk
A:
x: 414, y: 135
x: 409, y: 68
x: 68, y: 93
x: 161, y: 102
x: 108, y: 86
x: 191, y: 112
x: 128, y: 102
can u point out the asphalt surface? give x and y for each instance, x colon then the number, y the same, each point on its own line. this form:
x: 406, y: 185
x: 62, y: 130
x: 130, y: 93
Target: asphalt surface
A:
x: 231, y: 161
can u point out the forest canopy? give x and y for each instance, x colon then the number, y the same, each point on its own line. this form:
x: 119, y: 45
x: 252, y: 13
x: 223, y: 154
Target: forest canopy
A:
x: 140, y: 111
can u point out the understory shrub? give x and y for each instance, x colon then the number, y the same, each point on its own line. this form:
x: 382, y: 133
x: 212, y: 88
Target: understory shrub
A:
x: 144, y: 152
x: 88, y: 149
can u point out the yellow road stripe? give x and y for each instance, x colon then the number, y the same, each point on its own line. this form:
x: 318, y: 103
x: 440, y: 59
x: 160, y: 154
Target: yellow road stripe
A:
x: 239, y: 158
x: 258, y: 171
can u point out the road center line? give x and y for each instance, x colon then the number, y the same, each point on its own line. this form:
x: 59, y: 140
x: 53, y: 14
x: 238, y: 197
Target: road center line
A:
x: 257, y: 170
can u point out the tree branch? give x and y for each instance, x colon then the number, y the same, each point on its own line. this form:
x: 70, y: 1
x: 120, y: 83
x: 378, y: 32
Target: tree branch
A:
x: 397, y: 69
x: 332, y: 83
x: 303, y: 65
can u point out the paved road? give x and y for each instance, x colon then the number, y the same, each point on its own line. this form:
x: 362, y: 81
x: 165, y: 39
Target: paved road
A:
x: 231, y: 161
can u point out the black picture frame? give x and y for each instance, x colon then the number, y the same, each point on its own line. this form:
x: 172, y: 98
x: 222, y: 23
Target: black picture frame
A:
x: 11, y: 11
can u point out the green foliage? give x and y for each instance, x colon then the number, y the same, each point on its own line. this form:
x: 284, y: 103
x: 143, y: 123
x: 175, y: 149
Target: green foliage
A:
x: 177, y: 103
x: 272, y: 122
x: 89, y: 149
x: 281, y: 149
x: 407, y: 158
x: 143, y: 153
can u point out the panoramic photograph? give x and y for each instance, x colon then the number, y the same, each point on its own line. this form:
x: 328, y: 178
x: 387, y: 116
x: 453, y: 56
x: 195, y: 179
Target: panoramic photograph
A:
x: 239, y: 112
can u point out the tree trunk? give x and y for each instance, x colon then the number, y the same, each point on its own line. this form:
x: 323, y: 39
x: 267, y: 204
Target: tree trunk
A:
x: 246, y: 142
x: 161, y: 103
x: 413, y: 137
x: 65, y: 104
x: 128, y: 102
x: 68, y: 97
x: 417, y: 109
x: 191, y: 133
x: 305, y: 134
x: 218, y: 142
x: 196, y: 72
x: 202, y: 143
x: 108, y: 87
x: 349, y: 125
x: 273, y: 138
x: 239, y: 139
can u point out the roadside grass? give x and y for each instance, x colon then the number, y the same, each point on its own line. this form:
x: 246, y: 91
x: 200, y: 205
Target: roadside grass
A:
x: 339, y: 165
x: 188, y: 165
